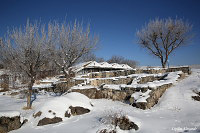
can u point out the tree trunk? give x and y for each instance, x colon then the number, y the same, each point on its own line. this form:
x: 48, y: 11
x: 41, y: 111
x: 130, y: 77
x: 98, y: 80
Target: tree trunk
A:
x: 162, y: 62
x: 29, y: 98
x: 163, y: 65
x: 65, y: 73
x: 30, y: 89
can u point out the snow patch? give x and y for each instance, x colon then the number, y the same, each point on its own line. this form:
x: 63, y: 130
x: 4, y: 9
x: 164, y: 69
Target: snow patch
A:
x: 114, y: 87
x: 9, y: 113
x: 140, y: 96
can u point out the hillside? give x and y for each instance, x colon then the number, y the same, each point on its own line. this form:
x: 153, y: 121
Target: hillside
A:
x: 176, y: 111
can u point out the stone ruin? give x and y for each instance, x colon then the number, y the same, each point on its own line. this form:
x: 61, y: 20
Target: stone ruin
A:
x: 122, y: 78
x: 98, y: 80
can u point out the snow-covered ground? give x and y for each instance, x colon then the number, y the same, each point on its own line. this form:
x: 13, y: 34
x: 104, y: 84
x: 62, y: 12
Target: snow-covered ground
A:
x: 176, y: 111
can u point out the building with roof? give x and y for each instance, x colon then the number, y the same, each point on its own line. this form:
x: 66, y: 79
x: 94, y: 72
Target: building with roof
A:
x: 93, y: 66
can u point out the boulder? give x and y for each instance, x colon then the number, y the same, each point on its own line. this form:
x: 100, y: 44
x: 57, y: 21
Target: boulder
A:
x: 46, y: 121
x: 197, y: 98
x: 67, y: 114
x: 107, y: 131
x: 9, y: 123
x: 78, y: 110
x: 38, y: 114
x: 124, y: 123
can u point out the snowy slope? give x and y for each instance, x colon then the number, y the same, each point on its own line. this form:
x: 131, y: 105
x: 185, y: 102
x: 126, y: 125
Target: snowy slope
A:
x: 175, y: 112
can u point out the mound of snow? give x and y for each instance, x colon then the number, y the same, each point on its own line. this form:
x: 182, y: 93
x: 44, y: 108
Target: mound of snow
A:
x: 56, y: 107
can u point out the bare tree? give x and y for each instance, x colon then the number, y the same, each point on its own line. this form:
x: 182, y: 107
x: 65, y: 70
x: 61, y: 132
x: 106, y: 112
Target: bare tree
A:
x: 72, y: 43
x: 24, y: 51
x: 162, y: 36
x: 122, y: 60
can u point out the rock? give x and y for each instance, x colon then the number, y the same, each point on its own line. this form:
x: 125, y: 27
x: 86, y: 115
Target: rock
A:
x: 38, y: 114
x: 4, y: 90
x: 124, y: 123
x: 78, y: 110
x: 131, y: 100
x: 8, y: 124
x: 46, y: 121
x: 25, y: 121
x: 3, y: 129
x: 107, y: 131
x: 197, y: 98
x: 67, y: 114
x: 14, y: 93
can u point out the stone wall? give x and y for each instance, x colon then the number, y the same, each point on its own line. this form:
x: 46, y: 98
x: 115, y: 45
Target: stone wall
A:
x: 108, y: 74
x: 125, y: 93
x: 118, y: 73
x: 155, y: 94
x: 183, y: 69
x: 116, y: 81
x: 93, y: 93
x: 62, y: 86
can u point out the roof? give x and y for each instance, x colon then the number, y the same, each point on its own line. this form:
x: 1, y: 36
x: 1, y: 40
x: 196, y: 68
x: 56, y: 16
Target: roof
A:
x: 94, y: 64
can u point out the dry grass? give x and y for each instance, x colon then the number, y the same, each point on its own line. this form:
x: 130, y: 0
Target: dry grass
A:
x: 26, y: 108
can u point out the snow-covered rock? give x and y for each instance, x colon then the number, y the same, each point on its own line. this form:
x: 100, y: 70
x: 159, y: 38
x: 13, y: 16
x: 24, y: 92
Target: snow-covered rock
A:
x: 58, y: 106
x: 10, y: 120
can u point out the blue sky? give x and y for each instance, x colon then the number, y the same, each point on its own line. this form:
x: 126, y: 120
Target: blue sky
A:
x: 115, y: 21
